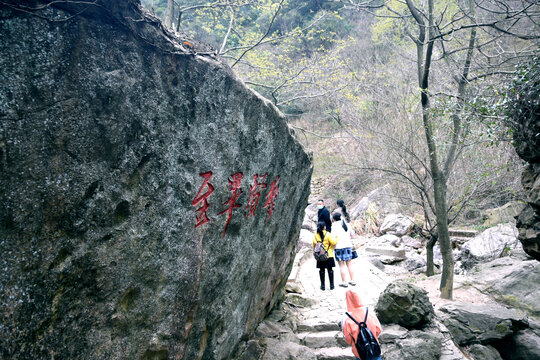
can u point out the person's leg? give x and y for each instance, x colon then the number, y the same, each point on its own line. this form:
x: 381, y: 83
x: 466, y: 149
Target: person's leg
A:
x: 342, y: 271
x: 351, y: 272
x: 321, y: 276
x: 331, y: 277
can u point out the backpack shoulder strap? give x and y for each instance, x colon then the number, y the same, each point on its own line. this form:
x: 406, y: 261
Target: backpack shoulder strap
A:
x: 326, y: 234
x: 353, y: 319
x: 356, y: 322
x: 365, y: 319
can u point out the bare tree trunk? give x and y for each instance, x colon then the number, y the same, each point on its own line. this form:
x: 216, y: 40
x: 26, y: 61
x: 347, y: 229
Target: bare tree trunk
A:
x: 169, y: 14
x: 430, y: 270
x: 447, y: 277
x: 439, y: 180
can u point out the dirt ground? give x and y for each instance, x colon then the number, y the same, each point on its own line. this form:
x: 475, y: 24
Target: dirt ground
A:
x: 463, y: 291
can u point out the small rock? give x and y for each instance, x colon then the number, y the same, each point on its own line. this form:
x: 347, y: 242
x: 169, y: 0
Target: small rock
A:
x: 415, y: 262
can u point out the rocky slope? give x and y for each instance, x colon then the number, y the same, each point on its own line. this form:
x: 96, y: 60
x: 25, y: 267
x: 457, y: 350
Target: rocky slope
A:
x: 493, y: 316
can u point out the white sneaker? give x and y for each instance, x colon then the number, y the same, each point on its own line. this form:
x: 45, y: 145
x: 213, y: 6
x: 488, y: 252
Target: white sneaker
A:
x: 352, y: 283
x: 343, y: 285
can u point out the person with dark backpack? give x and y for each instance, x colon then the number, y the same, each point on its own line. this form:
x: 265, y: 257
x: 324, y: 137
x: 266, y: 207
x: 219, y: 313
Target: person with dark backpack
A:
x: 361, y: 328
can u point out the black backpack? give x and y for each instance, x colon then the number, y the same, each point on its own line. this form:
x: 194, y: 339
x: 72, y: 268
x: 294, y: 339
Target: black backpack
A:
x: 367, y: 346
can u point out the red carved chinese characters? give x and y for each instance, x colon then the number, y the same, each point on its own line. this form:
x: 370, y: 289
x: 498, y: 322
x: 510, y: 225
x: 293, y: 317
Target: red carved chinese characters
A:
x: 235, y: 182
x: 271, y: 197
x: 202, y: 218
x: 235, y: 186
x: 255, y: 193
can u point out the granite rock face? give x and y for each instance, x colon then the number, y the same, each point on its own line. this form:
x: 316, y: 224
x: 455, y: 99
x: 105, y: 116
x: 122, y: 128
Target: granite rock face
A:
x: 404, y: 304
x: 525, y: 121
x: 117, y: 143
x: 513, y: 282
x: 481, y: 323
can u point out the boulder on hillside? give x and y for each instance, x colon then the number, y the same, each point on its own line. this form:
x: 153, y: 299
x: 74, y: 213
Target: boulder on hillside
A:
x: 414, y: 262
x: 376, y: 204
x: 150, y: 202
x: 504, y: 214
x: 396, y: 224
x: 481, y: 323
x: 404, y: 304
x: 490, y: 244
x: 385, y: 240
x: 511, y: 281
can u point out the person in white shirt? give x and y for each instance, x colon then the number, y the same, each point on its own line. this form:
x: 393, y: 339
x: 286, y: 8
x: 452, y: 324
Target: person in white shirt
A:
x: 343, y: 251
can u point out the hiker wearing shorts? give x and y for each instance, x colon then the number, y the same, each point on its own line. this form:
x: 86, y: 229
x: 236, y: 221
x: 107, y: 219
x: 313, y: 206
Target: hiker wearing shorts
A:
x: 344, y: 251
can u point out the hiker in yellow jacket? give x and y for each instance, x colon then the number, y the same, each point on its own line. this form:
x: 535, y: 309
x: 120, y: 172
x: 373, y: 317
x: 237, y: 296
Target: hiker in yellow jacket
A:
x: 328, y: 242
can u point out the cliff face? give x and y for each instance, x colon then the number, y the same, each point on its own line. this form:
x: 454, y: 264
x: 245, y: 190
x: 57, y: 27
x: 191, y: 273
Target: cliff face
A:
x: 528, y: 222
x: 525, y: 121
x: 150, y: 203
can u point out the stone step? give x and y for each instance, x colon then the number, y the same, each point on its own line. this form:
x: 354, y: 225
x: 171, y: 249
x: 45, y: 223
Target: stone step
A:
x: 322, y: 339
x: 318, y: 324
x: 386, y: 251
x: 334, y: 353
x: 462, y: 233
x: 460, y: 239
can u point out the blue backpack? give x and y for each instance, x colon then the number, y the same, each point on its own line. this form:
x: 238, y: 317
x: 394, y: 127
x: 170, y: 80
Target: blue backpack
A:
x: 367, y: 346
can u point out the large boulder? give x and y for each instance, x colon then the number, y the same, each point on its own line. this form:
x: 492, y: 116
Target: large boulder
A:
x: 511, y: 281
x: 396, y: 224
x: 504, y: 214
x: 129, y: 221
x: 375, y: 205
x: 481, y: 323
x: 492, y: 243
x: 404, y: 304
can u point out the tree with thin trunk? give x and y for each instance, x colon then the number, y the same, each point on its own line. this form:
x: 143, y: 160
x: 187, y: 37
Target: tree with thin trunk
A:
x: 440, y: 34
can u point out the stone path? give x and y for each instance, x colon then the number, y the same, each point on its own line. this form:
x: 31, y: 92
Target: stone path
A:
x: 319, y: 325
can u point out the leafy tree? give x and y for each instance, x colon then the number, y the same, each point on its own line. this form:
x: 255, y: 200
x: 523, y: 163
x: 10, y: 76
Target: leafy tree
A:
x: 460, y: 35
